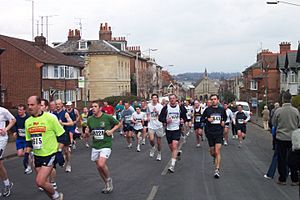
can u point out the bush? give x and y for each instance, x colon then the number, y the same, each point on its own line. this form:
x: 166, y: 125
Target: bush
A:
x: 113, y: 100
x: 296, y: 101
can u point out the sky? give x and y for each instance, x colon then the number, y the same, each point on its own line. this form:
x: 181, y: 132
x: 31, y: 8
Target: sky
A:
x: 189, y: 35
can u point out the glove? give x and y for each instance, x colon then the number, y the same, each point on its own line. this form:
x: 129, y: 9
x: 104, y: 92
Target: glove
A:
x: 25, y: 160
x: 60, y: 158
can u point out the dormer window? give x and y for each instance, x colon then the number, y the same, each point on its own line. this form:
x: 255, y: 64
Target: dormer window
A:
x: 82, y: 45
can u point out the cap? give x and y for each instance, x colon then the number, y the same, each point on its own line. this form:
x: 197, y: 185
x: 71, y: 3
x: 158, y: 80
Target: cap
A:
x: 69, y: 103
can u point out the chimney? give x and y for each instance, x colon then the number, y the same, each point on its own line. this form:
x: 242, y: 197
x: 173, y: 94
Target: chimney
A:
x: 284, y: 47
x: 40, y: 41
x: 105, y: 32
x: 74, y: 35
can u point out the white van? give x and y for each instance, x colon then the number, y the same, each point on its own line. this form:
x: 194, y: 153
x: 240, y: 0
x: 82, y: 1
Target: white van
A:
x: 245, y: 105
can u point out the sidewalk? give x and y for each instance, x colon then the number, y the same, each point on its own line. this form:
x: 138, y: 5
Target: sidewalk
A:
x: 257, y: 121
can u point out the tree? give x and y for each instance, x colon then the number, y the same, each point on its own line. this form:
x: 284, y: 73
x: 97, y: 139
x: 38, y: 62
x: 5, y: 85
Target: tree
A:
x: 228, y: 96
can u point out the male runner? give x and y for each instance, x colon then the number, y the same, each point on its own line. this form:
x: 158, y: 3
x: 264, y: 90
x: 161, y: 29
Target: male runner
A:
x: 138, y: 124
x: 65, y: 120
x: 227, y: 123
x: 19, y: 134
x: 5, y: 116
x: 127, y: 124
x: 83, y: 121
x: 52, y: 106
x: 44, y: 136
x: 75, y: 116
x: 240, y: 120
x: 145, y: 128
x: 214, y: 117
x: 102, y: 127
x: 155, y: 126
x: 174, y: 117
x: 189, y: 115
x: 198, y: 126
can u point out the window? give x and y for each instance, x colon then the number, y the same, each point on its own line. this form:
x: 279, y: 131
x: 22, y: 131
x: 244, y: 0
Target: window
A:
x: 78, y: 94
x: 62, y: 72
x: 69, y: 96
x: 45, y: 71
x: 293, y: 78
x: 253, y: 85
x: 46, y: 95
x: 71, y: 72
x: 67, y: 72
x: 82, y: 45
x: 55, y: 71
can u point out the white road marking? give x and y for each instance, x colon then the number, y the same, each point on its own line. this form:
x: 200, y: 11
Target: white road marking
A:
x: 153, y: 192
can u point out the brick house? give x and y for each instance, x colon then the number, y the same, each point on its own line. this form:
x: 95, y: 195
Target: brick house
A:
x: 33, y: 68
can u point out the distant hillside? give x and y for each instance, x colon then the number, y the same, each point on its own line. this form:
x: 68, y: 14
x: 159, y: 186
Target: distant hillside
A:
x: 194, y: 77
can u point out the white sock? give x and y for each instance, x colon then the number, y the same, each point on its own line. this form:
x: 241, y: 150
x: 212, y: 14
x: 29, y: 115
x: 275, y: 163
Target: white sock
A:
x: 55, y: 195
x: 173, y: 161
x: 6, y: 182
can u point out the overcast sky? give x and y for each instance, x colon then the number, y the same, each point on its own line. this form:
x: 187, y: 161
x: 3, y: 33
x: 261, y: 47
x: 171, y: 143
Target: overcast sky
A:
x: 221, y: 35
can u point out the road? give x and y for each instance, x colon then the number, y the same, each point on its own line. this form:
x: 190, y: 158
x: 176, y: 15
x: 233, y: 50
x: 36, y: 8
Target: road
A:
x: 137, y: 177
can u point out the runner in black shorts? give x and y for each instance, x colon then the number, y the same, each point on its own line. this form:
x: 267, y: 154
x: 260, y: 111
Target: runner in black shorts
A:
x: 214, y: 117
x: 198, y: 125
x: 145, y: 128
x: 240, y: 120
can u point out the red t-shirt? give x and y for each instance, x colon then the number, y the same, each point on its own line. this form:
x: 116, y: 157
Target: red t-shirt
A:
x: 108, y: 110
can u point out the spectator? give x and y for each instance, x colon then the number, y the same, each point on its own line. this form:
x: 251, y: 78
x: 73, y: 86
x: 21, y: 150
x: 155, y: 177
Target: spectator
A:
x: 108, y: 109
x: 286, y: 119
x: 265, y: 117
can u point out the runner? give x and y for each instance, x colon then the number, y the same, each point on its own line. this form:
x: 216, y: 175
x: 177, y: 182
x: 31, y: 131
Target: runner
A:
x: 126, y: 122
x: 173, y: 116
x: 19, y: 135
x: 198, y: 126
x: 214, y: 117
x: 145, y: 128
x: 119, y: 108
x: 44, y: 136
x: 5, y: 116
x: 155, y: 127
x: 75, y: 116
x: 83, y: 122
x: 240, y: 120
x: 233, y: 109
x: 108, y: 109
x: 100, y: 126
x: 138, y: 121
x: 65, y: 120
x: 52, y: 178
x: 227, y: 123
x: 189, y: 116
x: 52, y: 107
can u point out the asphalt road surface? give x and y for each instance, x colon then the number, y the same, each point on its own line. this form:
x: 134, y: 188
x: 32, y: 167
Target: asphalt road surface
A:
x: 136, y: 176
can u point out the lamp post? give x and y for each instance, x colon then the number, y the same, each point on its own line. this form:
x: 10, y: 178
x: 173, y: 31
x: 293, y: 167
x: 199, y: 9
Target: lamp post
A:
x: 284, y: 2
x: 32, y: 18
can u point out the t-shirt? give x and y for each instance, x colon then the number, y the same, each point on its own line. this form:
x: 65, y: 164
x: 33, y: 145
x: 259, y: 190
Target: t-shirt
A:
x: 190, y: 111
x: 5, y: 116
x: 126, y: 116
x: 19, y: 126
x: 42, y: 132
x: 139, y: 119
x: 174, y: 114
x: 84, y: 118
x: 98, y: 126
x: 240, y: 117
x: 218, y: 114
x: 153, y: 113
x: 108, y: 109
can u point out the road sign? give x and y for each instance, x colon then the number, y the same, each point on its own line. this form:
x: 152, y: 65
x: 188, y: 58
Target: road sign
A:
x: 81, y: 82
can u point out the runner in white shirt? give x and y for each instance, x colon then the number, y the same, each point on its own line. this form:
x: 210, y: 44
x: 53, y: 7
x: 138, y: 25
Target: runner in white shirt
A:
x: 155, y: 127
x: 189, y: 116
x: 5, y: 116
x: 227, y: 123
x: 137, y: 119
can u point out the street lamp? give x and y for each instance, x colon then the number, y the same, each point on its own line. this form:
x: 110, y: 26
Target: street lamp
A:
x: 284, y: 2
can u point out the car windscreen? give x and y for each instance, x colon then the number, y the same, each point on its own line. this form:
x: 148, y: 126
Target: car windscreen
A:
x: 246, y: 108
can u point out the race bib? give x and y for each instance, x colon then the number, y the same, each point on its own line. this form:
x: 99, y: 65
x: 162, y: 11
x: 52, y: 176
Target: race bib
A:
x: 84, y: 120
x: 21, y: 132
x: 128, y: 119
x: 240, y: 121
x: 37, y: 141
x: 216, y: 119
x: 154, y: 115
x: 174, y: 116
x: 98, y: 134
x: 198, y: 119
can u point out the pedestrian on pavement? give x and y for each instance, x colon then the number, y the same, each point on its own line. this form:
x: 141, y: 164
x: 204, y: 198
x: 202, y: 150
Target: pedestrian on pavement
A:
x: 173, y: 116
x: 294, y: 159
x: 286, y: 120
x: 265, y: 117
x: 102, y: 126
x: 5, y: 116
x: 215, y: 117
x: 44, y: 136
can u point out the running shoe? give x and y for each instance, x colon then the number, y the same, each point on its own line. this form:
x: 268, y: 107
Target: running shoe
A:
x: 267, y: 177
x: 6, y: 190
x: 138, y: 149
x: 225, y: 143
x: 179, y: 155
x: 61, y: 196
x: 152, y: 150
x: 129, y: 146
x: 41, y: 189
x: 281, y: 183
x: 87, y: 145
x: 198, y: 145
x: 54, y: 185
x: 74, y: 145
x: 28, y: 170
x: 171, y: 168
x: 143, y: 142
x: 294, y: 183
x: 68, y: 168
x: 158, y: 157
x: 109, y: 187
x: 217, y: 174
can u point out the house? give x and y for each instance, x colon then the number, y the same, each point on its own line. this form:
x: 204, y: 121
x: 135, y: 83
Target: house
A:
x: 206, y: 87
x: 107, y: 65
x: 33, y: 68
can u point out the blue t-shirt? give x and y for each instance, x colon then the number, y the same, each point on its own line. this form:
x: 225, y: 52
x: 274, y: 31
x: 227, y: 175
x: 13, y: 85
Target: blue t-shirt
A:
x: 19, y: 126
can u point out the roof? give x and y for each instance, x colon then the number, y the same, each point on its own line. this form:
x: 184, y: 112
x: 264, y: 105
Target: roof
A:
x: 93, y: 47
x: 287, y: 60
x: 44, y: 54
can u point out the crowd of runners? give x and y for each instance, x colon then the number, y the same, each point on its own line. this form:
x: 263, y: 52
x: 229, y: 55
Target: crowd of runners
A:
x: 46, y: 136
